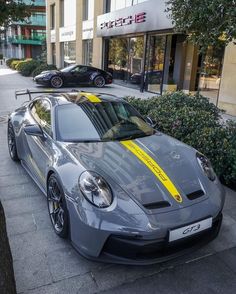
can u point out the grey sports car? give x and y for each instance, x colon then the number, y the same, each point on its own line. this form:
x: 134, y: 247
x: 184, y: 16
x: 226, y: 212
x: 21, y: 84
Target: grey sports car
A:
x: 119, y: 189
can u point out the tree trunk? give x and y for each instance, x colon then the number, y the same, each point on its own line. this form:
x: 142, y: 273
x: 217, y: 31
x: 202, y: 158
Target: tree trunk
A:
x: 7, y: 279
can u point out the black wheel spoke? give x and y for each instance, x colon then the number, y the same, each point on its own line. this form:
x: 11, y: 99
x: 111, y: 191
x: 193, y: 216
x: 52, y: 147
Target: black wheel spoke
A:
x: 12, y: 143
x: 55, y: 205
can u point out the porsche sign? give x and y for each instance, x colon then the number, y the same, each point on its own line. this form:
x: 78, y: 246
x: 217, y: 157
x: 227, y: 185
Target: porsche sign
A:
x: 144, y: 17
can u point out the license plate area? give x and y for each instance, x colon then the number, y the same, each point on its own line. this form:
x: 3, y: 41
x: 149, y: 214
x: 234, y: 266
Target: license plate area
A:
x: 190, y: 230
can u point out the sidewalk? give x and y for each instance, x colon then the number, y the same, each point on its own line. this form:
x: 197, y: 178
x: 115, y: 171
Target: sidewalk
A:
x: 46, y: 264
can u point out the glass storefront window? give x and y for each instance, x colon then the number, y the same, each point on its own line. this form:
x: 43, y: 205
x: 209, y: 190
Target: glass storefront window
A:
x: 210, y: 73
x: 125, y: 60
x: 118, y: 58
x: 69, y: 53
x: 155, y: 63
x: 87, y: 52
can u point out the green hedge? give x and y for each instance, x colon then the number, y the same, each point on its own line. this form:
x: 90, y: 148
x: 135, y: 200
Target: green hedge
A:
x: 195, y: 121
x: 24, y: 66
x: 14, y: 63
x: 20, y: 64
x: 27, y: 67
x: 9, y: 61
x: 43, y: 67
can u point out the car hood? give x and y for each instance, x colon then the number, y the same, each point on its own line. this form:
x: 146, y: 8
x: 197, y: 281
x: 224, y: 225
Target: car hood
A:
x: 50, y: 72
x: 114, y: 160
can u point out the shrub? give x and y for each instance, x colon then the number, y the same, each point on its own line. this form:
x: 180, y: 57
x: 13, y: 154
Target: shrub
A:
x: 27, y: 67
x: 195, y: 121
x: 14, y: 64
x: 10, y: 60
x: 43, y: 67
x: 21, y: 63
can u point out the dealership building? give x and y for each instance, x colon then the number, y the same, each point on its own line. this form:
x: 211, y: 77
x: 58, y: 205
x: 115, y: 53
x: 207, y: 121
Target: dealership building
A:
x: 136, y: 42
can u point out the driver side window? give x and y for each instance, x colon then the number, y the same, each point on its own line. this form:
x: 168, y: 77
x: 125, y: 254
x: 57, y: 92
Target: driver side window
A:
x: 80, y: 69
x: 41, y: 111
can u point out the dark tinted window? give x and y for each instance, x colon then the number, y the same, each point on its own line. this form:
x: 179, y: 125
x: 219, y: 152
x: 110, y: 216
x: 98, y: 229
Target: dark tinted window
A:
x: 80, y: 69
x: 104, y: 121
x: 41, y: 112
x: 68, y: 68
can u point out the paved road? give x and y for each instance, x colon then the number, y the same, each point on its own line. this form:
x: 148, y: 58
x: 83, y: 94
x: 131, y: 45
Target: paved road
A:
x: 44, y: 263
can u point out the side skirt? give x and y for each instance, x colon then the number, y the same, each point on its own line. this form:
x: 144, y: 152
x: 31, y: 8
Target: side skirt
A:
x: 24, y: 165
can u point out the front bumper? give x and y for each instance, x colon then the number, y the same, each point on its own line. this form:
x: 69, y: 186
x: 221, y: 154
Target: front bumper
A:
x: 146, y: 252
x: 130, y: 250
x: 41, y: 81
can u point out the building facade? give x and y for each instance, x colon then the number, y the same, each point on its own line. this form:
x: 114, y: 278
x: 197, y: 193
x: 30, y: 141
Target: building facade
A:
x: 135, y: 40
x: 28, y: 38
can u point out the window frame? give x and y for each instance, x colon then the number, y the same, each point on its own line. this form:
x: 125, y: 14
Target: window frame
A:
x: 52, y: 16
x: 45, y: 130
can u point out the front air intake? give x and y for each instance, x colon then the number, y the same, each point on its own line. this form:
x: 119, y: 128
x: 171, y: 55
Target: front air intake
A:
x: 156, y: 205
x: 194, y: 195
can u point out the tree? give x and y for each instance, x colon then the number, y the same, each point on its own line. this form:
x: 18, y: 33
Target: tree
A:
x: 7, y: 279
x: 207, y: 22
x: 13, y: 10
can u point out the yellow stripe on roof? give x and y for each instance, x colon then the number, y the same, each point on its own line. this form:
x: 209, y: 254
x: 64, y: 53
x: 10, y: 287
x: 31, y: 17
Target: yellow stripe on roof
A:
x: 91, y: 97
x: 154, y: 167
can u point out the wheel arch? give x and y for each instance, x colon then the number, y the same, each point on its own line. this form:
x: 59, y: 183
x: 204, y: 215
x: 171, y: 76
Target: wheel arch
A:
x: 50, y: 172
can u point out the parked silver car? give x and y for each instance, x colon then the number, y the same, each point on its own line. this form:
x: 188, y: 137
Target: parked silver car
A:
x: 120, y: 190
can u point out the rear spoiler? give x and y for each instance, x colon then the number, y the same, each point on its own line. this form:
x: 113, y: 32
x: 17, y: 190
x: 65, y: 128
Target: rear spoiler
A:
x: 47, y: 91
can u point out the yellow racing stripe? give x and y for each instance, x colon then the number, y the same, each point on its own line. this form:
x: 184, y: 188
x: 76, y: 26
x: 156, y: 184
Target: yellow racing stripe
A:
x: 91, y: 97
x: 154, y: 167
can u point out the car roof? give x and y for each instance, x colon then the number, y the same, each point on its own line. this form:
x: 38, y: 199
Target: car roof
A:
x: 89, y: 66
x: 81, y: 97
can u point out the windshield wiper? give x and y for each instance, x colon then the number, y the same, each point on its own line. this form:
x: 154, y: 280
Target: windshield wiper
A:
x: 132, y: 137
x: 83, y: 141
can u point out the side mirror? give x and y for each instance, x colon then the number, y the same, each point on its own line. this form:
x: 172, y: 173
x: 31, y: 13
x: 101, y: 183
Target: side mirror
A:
x: 150, y: 121
x: 34, y: 130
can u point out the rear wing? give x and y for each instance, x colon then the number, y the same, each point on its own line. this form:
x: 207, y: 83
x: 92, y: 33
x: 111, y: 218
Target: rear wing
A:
x: 46, y: 91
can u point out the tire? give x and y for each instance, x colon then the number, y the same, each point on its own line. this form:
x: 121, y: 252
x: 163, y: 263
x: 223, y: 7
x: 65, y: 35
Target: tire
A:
x: 56, y: 82
x: 57, y: 208
x: 99, y: 82
x: 11, y: 139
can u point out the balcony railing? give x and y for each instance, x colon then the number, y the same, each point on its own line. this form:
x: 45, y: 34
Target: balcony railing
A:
x: 35, y: 3
x: 27, y: 40
x: 34, y: 20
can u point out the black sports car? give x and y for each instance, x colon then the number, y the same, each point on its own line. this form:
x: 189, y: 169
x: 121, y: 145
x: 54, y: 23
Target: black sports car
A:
x: 76, y: 75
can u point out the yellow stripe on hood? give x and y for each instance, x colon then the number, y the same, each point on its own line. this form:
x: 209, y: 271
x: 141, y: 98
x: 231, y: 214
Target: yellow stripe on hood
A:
x: 154, y: 167
x: 91, y: 97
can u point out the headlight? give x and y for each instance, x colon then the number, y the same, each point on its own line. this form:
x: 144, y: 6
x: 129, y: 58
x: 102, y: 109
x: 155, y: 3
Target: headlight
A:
x: 95, y: 189
x: 45, y: 76
x: 206, y: 166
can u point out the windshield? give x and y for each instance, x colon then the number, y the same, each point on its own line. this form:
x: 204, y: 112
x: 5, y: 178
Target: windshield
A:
x: 68, y: 68
x: 103, y: 121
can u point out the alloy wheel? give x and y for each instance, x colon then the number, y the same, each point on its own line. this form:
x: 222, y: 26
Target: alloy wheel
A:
x: 55, y: 205
x: 12, y: 142
x: 99, y: 81
x: 56, y: 82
